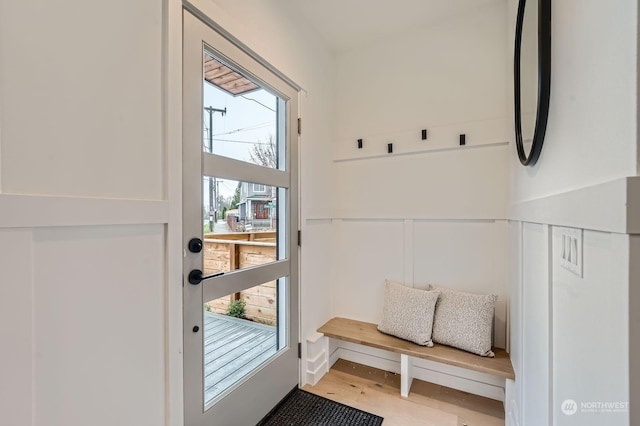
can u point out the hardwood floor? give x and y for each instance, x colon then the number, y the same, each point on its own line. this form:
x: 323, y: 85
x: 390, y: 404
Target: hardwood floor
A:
x: 378, y: 392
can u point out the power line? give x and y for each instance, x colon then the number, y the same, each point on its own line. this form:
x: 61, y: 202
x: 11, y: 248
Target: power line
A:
x: 230, y: 188
x: 237, y: 141
x: 248, y: 128
x: 258, y: 102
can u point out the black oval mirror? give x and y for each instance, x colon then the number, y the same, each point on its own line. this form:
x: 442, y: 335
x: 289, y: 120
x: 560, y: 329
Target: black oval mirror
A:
x: 532, y: 77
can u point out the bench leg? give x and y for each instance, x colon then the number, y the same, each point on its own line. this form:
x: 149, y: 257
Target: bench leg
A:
x: 406, y: 374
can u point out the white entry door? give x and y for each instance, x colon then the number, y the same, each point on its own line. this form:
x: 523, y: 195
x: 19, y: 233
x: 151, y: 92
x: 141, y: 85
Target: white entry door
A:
x: 240, y: 222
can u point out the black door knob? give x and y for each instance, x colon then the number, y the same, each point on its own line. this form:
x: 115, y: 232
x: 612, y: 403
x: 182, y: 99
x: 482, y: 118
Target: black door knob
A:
x: 195, y: 245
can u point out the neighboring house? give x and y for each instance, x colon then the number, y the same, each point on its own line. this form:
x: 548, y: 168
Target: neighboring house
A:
x: 257, y: 205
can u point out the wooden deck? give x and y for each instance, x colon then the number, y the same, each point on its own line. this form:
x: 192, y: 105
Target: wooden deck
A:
x: 232, y: 348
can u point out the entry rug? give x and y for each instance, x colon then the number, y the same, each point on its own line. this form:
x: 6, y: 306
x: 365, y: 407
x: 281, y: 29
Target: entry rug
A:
x: 301, y: 408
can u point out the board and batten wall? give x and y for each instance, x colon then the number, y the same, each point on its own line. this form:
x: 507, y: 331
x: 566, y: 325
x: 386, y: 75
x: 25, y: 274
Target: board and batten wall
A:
x: 576, y: 338
x: 432, y: 212
x: 90, y: 201
x: 83, y: 214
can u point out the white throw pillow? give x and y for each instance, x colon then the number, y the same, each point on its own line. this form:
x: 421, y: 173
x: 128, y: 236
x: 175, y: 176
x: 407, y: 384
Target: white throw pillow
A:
x: 408, y: 313
x: 464, y: 320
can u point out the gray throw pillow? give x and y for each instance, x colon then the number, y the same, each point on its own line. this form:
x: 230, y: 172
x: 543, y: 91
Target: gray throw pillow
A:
x: 408, y: 313
x: 464, y: 320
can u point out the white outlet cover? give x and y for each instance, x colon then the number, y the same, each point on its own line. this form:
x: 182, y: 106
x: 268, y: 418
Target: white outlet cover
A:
x: 570, y: 251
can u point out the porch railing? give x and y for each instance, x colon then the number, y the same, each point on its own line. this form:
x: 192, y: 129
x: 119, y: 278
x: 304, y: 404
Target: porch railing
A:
x: 238, y: 250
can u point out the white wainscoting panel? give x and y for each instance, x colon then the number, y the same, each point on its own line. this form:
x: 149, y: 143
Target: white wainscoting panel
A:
x: 536, y: 333
x: 16, y: 327
x: 99, y: 325
x: 366, y: 253
x: 513, y: 391
x: 316, y: 291
x: 591, y: 329
x: 467, y: 256
x: 634, y: 326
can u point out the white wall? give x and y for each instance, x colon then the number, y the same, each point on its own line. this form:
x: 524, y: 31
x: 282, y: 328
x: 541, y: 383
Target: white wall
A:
x: 591, y: 133
x: 570, y: 334
x: 431, y: 212
x: 90, y: 256
x: 97, y: 66
x: 450, y: 74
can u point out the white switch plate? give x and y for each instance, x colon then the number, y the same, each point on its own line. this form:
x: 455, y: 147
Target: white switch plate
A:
x: 571, y: 250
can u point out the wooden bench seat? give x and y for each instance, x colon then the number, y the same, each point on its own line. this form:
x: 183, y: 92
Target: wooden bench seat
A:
x: 367, y: 334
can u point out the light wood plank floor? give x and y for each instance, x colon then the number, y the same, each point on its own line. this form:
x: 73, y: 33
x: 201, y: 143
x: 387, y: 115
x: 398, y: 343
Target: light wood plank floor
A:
x: 378, y: 392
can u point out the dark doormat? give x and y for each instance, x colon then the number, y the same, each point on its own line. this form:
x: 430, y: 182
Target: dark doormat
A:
x: 301, y: 408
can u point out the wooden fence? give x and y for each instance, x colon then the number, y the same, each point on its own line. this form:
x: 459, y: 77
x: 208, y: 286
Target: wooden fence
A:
x: 239, y: 250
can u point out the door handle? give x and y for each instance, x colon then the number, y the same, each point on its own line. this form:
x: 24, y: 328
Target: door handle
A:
x: 196, y: 277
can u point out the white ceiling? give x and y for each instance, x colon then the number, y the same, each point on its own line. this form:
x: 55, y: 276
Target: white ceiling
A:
x: 346, y: 24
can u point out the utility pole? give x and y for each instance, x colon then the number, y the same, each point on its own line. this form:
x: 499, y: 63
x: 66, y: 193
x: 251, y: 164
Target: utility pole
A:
x: 218, y: 204
x: 213, y: 213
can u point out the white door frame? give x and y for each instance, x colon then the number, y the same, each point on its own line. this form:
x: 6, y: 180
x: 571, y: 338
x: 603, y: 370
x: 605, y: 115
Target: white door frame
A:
x: 266, y: 386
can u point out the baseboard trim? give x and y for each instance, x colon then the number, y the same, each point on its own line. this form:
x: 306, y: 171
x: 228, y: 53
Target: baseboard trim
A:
x: 512, y: 413
x: 314, y: 376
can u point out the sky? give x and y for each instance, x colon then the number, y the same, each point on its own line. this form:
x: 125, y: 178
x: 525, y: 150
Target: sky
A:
x: 249, y: 119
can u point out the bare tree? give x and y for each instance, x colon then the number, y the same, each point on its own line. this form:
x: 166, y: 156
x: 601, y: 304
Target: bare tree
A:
x: 236, y: 197
x: 265, y: 153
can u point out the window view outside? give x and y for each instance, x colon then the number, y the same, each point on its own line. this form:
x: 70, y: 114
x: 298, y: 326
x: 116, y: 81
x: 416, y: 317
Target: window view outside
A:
x: 240, y: 224
x: 242, y: 126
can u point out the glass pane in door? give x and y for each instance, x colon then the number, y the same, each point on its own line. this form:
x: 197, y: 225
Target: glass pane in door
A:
x: 242, y: 120
x: 241, y: 332
x: 240, y: 227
